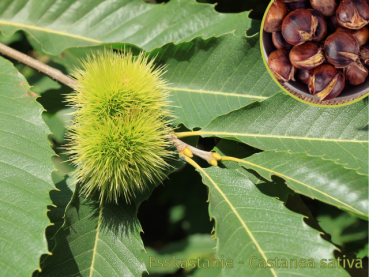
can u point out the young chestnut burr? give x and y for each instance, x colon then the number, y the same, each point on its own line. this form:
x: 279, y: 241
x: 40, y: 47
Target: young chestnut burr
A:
x: 297, y: 4
x: 362, y: 35
x: 279, y: 41
x: 353, y: 14
x: 341, y: 49
x: 280, y: 65
x: 275, y: 16
x: 356, y: 73
x: 364, y: 54
x: 321, y: 29
x: 306, y: 56
x: 327, y: 82
x: 299, y: 26
x: 325, y: 7
x: 305, y: 75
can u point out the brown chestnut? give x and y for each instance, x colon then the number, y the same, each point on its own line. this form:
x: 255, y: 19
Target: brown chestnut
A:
x: 280, y: 65
x: 362, y: 34
x: 299, y: 26
x: 325, y: 7
x: 341, y: 49
x: 364, y: 54
x: 353, y: 14
x: 305, y: 75
x: 279, y: 41
x: 327, y: 82
x: 356, y: 73
x: 306, y: 56
x: 321, y: 29
x: 297, y: 4
x: 276, y: 13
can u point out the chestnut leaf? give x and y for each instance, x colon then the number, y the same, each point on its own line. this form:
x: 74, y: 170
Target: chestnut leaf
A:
x: 57, y: 26
x: 283, y: 123
x: 251, y: 224
x: 25, y: 168
x: 316, y: 178
x: 97, y: 240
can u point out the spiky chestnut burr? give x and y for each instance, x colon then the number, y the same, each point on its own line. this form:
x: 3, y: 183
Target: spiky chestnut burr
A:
x: 119, y: 135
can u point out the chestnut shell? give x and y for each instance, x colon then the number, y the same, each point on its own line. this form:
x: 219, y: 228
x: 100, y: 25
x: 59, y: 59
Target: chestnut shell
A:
x: 353, y: 14
x: 274, y: 18
x: 280, y: 65
x: 341, y: 49
x: 356, y: 73
x: 325, y: 7
x: 297, y: 23
x: 362, y: 35
x: 304, y: 75
x: 306, y: 56
x: 364, y: 54
x: 279, y: 42
x: 321, y: 30
x: 322, y: 78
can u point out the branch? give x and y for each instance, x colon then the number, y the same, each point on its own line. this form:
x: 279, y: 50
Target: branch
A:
x: 186, y: 150
x: 39, y: 66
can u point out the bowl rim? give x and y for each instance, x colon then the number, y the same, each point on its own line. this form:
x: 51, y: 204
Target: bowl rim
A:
x: 263, y: 54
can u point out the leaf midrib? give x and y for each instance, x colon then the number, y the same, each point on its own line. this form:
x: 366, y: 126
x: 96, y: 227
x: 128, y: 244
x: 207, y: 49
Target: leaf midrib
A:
x: 49, y: 31
x: 304, y: 184
x: 217, y: 93
x: 96, y: 241
x: 238, y: 216
x: 269, y: 136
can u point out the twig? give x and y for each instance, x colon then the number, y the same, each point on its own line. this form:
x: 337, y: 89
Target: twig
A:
x: 187, y: 150
x: 31, y: 62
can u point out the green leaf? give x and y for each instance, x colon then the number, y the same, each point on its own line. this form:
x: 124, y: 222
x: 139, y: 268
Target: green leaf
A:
x: 60, y: 198
x: 97, y: 241
x: 211, y: 77
x: 60, y: 25
x: 25, y: 169
x: 250, y: 224
x: 363, y: 252
x: 276, y: 187
x: 315, y: 177
x: 283, y: 123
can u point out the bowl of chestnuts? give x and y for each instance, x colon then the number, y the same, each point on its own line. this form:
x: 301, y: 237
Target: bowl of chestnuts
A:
x: 318, y: 49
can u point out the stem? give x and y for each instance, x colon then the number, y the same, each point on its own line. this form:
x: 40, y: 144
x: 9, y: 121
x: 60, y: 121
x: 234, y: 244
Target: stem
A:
x: 39, y: 66
x: 190, y: 134
x: 186, y: 150
x: 192, y: 162
x: 225, y: 158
